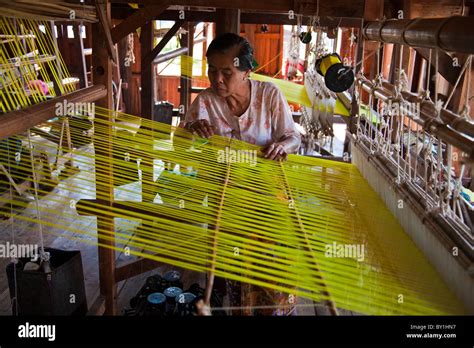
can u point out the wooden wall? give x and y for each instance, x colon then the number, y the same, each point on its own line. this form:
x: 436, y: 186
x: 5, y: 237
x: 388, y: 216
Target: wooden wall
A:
x: 268, y: 47
x: 167, y: 88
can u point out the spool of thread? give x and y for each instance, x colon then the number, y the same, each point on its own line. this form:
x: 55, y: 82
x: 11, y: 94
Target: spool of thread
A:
x: 173, y: 278
x: 171, y: 293
x: 156, y: 304
x: 337, y: 77
x: 185, y: 304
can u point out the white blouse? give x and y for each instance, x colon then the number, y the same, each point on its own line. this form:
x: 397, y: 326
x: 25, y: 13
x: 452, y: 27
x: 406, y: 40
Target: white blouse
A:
x: 267, y: 120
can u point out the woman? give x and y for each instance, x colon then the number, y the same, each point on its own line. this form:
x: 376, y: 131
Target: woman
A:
x: 237, y: 107
x: 248, y: 110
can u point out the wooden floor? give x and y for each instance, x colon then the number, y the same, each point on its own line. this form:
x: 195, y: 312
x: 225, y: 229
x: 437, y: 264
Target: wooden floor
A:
x: 26, y: 232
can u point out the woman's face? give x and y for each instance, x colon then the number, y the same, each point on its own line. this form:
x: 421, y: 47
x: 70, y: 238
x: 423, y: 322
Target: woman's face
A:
x: 225, y: 78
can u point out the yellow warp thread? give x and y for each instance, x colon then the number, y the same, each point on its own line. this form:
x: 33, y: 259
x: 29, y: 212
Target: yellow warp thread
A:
x: 260, y: 239
x: 327, y: 62
x: 291, y: 227
x: 23, y: 61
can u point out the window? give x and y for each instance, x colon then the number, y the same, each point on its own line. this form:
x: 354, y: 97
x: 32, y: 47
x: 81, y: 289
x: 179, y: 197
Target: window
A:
x: 70, y: 32
x: 173, y: 66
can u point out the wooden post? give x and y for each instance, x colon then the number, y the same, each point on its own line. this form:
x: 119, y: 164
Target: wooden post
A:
x: 82, y: 65
x: 126, y: 73
x: 373, y: 9
x: 104, y: 182
x: 147, y: 96
x: 187, y: 40
x: 147, y: 91
x: 204, y: 48
x: 228, y: 21
x: 405, y: 55
x: 58, y: 87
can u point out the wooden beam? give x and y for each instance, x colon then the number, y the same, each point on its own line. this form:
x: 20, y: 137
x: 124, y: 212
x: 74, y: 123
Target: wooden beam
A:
x: 170, y: 55
x: 438, y: 8
x: 448, y: 34
x: 19, y: 121
x: 204, y: 48
x: 102, y: 74
x: 416, y: 78
x: 276, y: 18
x: 406, y: 51
x: 245, y: 18
x: 373, y: 10
x: 147, y: 87
x: 105, y: 25
x: 147, y: 96
x: 148, y: 59
x: 138, y: 19
x: 334, y: 8
x: 395, y: 63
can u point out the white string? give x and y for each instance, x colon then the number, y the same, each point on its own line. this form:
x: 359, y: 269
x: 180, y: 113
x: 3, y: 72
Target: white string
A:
x: 426, y: 154
x: 466, y: 110
x: 408, y: 149
x: 369, y: 123
x: 436, y: 87
x: 438, y: 176
x: 35, y: 187
x: 357, y: 95
x: 388, y: 134
x: 379, y: 126
x: 399, y: 143
x: 448, y: 191
x: 457, y: 191
x: 463, y: 70
x: 415, y: 170
x: 399, y: 100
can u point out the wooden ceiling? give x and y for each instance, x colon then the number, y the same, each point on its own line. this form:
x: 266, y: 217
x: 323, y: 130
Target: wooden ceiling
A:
x: 333, y: 8
x: 326, y: 8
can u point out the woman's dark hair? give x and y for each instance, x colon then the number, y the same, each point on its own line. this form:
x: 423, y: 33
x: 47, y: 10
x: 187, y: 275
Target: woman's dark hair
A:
x: 226, y: 42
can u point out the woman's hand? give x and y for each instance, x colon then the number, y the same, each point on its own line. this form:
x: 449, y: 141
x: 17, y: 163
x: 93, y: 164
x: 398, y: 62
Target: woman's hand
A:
x: 201, y: 128
x: 275, y: 151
